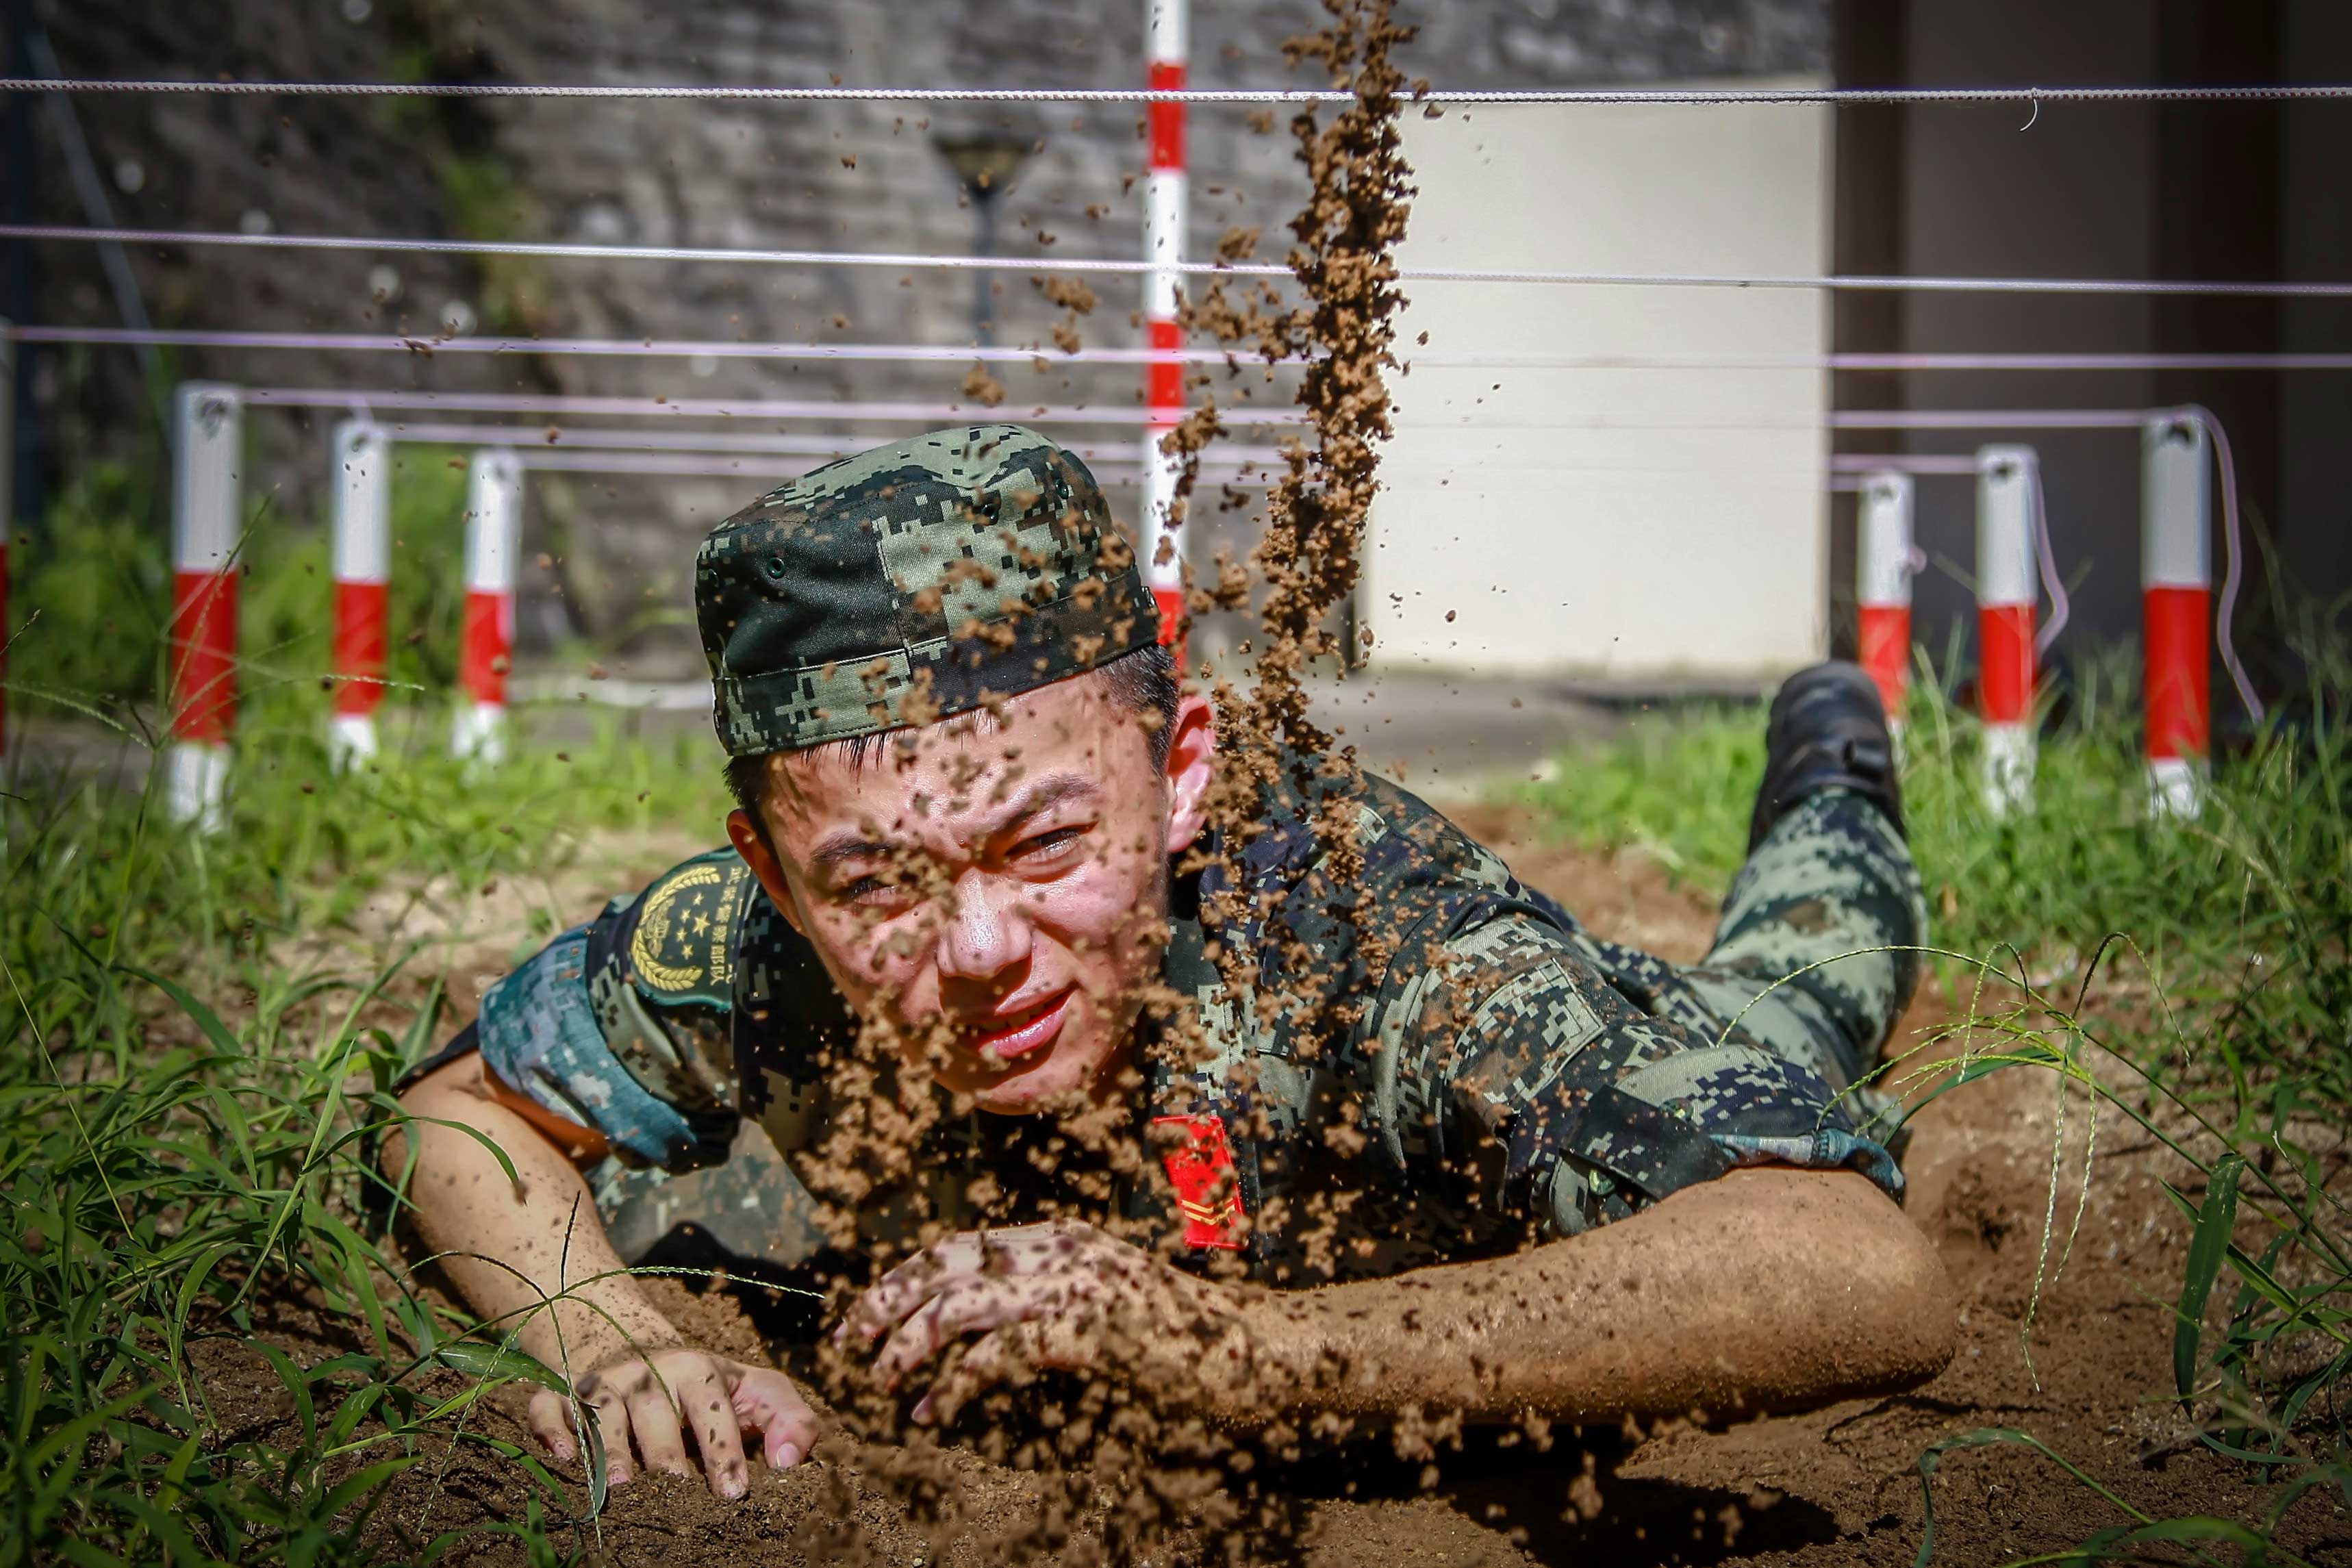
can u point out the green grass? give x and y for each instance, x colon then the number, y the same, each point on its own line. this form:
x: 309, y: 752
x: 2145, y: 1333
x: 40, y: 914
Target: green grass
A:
x: 196, y: 1036
x: 2242, y: 916
x: 183, y: 1104
x: 185, y: 1081
x: 2258, y: 1382
x: 94, y: 583
x: 2206, y: 963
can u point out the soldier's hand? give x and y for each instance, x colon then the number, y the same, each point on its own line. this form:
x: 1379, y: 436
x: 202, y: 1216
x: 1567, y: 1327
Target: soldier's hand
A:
x: 645, y: 1405
x: 1061, y: 1294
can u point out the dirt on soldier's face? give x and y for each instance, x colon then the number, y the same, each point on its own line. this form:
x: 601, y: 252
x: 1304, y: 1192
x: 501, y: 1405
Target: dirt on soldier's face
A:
x: 994, y: 884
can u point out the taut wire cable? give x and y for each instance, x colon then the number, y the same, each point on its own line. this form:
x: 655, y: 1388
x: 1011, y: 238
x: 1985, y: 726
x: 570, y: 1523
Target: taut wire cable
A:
x: 715, y: 91
x: 711, y: 443
x: 553, y: 249
x: 947, y: 353
x: 706, y: 465
x: 365, y: 400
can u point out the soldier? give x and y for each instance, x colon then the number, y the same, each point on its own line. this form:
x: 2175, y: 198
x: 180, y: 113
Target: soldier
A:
x: 1419, y: 1142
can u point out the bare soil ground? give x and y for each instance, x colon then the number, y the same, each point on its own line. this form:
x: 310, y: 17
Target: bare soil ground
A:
x: 1835, y: 1486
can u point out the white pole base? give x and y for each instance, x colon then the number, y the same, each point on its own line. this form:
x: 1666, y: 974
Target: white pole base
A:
x: 196, y: 781
x: 478, y: 734
x: 2008, y: 768
x: 2176, y: 788
x: 350, y: 740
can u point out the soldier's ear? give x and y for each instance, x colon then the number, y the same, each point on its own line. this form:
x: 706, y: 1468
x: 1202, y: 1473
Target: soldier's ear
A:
x: 1191, y: 760
x: 752, y: 845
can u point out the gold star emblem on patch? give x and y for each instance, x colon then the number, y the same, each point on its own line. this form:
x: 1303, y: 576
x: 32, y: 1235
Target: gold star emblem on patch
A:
x: 650, y: 949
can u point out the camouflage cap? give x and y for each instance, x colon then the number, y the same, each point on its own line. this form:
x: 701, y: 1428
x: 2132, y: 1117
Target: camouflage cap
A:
x: 911, y: 581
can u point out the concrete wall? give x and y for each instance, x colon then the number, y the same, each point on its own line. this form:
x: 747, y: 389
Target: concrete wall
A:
x: 714, y: 174
x: 1610, y: 521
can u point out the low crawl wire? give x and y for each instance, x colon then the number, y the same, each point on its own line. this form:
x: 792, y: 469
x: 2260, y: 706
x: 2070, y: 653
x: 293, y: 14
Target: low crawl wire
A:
x: 549, y: 249
x: 728, y: 348
x: 715, y: 91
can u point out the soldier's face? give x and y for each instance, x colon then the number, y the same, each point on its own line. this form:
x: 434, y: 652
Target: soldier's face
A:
x: 993, y: 889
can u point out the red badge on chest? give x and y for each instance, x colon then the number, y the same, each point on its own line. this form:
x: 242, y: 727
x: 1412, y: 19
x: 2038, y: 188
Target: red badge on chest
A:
x: 1201, y: 1169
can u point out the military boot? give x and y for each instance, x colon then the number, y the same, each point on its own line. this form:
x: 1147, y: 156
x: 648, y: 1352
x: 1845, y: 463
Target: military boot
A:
x: 1827, y: 730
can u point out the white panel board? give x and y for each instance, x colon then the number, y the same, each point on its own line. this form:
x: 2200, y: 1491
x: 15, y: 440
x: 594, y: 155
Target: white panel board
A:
x: 1609, y: 520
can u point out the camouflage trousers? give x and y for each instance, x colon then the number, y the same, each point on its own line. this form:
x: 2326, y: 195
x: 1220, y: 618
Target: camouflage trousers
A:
x: 1812, y: 962
x: 1815, y: 952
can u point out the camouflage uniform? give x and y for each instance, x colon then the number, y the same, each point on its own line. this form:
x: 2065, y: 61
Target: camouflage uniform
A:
x: 1485, y: 1074
x: 1511, y: 1075
x: 912, y: 582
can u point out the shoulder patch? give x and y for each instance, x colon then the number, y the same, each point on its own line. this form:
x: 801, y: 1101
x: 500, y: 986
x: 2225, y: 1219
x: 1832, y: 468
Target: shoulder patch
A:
x: 683, y: 947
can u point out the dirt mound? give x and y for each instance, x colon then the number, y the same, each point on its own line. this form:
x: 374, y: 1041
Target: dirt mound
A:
x: 1835, y: 1486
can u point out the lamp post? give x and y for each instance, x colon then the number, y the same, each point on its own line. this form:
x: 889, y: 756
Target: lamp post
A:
x: 984, y: 162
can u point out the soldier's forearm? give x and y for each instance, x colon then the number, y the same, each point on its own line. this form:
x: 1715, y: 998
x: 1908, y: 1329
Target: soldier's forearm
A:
x: 511, y: 1245
x: 1768, y: 1289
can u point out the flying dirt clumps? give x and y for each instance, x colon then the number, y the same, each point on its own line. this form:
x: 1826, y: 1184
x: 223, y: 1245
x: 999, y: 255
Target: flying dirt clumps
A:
x: 1073, y: 296
x: 1125, y: 1463
x: 1312, y: 550
x: 983, y: 388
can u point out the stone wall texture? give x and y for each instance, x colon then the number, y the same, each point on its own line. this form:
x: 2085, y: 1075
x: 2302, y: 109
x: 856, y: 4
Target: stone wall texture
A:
x: 832, y: 176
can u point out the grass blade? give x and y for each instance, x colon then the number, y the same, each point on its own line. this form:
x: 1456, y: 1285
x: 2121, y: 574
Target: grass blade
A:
x: 477, y: 1360
x: 1983, y: 1438
x: 2208, y: 1246
x: 204, y: 1017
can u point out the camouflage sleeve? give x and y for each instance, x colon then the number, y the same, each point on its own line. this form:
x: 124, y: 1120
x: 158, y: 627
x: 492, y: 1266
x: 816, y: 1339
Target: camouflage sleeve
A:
x: 1509, y: 1075
x: 623, y: 1024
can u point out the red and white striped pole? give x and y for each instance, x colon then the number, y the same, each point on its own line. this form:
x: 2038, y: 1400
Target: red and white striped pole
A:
x: 206, y: 478
x: 2176, y: 573
x: 493, y: 537
x: 361, y: 549
x: 1163, y: 246
x: 7, y: 508
x: 2007, y: 483
x: 1883, y: 586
